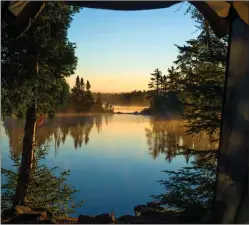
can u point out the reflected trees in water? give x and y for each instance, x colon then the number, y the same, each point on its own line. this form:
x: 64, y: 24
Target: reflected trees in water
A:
x: 168, y: 138
x: 58, y: 129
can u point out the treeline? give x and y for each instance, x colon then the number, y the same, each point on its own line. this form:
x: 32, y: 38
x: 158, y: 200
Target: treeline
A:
x: 81, y: 100
x: 164, y: 94
x: 138, y: 98
x: 194, y: 85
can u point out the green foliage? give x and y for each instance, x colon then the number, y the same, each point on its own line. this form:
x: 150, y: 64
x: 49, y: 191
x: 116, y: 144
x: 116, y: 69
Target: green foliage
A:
x: 202, y: 64
x: 35, y: 65
x: 89, y: 96
x: 45, y: 189
x: 165, y: 89
x: 81, y: 96
x: 155, y: 81
x: 190, y: 190
x: 98, y: 107
x: 137, y: 98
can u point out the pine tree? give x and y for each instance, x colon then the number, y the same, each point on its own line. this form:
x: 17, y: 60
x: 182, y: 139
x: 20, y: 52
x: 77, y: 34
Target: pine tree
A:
x: 202, y: 64
x: 89, y: 97
x: 45, y: 189
x: 99, y: 103
x: 34, y: 68
x: 155, y: 81
x: 157, y: 100
x: 164, y: 84
x: 190, y: 190
x: 78, y: 96
x: 173, y: 80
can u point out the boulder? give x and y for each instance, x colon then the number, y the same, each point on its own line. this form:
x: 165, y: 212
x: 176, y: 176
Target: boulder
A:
x: 7, y: 214
x: 23, y: 215
x: 126, y: 219
x: 84, y: 219
x: 46, y: 213
x: 13, y: 212
x: 104, y: 219
x: 22, y: 209
x: 45, y: 222
x: 142, y: 220
x: 138, y: 209
x: 146, y: 111
x: 25, y: 218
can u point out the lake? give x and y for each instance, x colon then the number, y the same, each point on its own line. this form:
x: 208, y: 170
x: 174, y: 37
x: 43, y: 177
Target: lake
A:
x: 115, y: 160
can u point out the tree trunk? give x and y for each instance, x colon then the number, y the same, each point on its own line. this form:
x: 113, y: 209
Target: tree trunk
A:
x: 27, y: 157
x: 232, y: 196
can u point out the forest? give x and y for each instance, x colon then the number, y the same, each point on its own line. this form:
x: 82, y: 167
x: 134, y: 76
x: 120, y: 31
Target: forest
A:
x: 80, y: 99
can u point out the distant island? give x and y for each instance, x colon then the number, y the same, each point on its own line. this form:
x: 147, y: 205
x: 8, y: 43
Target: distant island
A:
x: 162, y: 99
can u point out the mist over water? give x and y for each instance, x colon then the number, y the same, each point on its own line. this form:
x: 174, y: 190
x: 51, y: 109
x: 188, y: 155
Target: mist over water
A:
x: 128, y: 109
x: 115, y: 160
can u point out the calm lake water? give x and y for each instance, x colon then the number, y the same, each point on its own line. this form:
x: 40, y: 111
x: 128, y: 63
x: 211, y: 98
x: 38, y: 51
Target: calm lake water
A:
x: 115, y: 160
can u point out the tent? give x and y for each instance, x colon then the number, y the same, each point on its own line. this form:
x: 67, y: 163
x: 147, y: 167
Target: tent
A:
x: 232, y: 197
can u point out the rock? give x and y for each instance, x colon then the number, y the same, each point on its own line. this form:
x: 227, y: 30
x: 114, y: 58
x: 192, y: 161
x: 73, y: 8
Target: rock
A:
x: 146, y: 111
x: 46, y: 213
x: 142, y: 220
x: 103, y: 219
x: 138, y: 209
x: 84, y: 219
x: 25, y: 218
x: 22, y: 209
x: 8, y: 213
x: 45, y: 222
x: 13, y: 212
x: 41, y: 215
x: 126, y: 219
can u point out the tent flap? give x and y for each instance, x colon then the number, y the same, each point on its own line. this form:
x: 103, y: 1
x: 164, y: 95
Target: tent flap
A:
x: 215, y: 12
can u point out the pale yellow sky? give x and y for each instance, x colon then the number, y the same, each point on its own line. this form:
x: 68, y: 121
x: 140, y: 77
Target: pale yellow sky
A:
x: 114, y: 83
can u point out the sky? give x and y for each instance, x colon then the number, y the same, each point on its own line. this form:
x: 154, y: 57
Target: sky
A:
x: 118, y: 50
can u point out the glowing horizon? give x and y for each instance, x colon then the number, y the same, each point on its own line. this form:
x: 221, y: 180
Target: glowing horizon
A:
x: 118, y: 50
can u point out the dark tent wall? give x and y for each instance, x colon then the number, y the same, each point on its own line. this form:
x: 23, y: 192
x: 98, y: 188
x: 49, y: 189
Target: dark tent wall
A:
x: 232, y: 197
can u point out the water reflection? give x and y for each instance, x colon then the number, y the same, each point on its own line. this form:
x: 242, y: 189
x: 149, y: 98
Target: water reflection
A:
x: 116, y: 156
x: 58, y: 129
x: 163, y: 136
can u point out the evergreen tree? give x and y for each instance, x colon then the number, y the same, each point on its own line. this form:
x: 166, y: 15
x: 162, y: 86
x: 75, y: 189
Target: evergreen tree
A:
x: 173, y: 80
x: 157, y: 101
x: 99, y: 103
x: 164, y: 84
x: 34, y: 68
x: 155, y: 81
x: 202, y: 64
x: 89, y: 97
x: 190, y: 190
x: 78, y: 95
x: 82, y: 85
x: 45, y: 190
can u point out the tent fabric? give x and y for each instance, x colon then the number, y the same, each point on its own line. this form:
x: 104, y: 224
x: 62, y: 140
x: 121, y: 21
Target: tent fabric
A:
x: 17, y: 7
x: 215, y: 12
